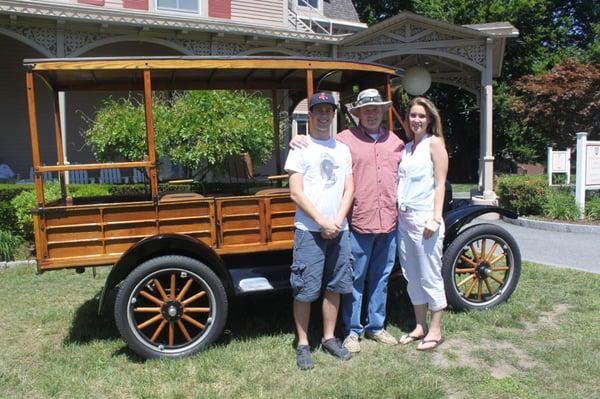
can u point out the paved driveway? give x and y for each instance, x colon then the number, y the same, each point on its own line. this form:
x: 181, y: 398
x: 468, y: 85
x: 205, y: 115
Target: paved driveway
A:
x: 572, y: 250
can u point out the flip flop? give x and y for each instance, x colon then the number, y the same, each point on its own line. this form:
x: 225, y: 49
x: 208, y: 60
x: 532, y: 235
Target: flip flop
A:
x: 411, y: 338
x: 437, y: 342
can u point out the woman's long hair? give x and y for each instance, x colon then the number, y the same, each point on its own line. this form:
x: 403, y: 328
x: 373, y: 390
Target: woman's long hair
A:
x: 435, y: 125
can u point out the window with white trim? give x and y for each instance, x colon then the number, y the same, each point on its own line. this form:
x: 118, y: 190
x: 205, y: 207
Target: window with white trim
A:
x: 309, y: 3
x: 191, y: 6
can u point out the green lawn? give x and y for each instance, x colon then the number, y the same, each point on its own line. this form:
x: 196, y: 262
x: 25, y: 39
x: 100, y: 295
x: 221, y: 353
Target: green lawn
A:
x: 544, y: 343
x: 463, y: 187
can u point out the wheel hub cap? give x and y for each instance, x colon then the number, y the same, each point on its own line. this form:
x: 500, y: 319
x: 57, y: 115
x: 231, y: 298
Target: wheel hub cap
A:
x: 483, y: 270
x: 172, y: 310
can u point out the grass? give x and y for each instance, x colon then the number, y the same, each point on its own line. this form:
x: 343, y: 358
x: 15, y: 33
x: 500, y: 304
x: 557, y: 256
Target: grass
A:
x: 463, y: 187
x: 543, y: 343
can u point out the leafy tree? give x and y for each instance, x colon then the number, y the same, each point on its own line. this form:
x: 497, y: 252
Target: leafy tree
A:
x: 198, y: 130
x: 560, y: 103
x: 550, y: 32
x: 205, y: 127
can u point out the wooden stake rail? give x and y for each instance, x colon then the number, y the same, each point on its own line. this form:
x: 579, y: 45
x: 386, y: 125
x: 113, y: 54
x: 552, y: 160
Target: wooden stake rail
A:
x: 69, y: 234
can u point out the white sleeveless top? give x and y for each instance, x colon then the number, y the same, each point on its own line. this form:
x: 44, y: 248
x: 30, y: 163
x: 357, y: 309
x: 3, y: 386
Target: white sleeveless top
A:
x: 415, y: 177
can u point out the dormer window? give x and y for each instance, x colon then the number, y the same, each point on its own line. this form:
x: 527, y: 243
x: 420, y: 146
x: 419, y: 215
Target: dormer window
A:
x: 309, y: 3
x: 178, y: 5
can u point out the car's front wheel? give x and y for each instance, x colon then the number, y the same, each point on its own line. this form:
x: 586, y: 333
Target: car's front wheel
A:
x: 170, y: 306
x: 481, y: 267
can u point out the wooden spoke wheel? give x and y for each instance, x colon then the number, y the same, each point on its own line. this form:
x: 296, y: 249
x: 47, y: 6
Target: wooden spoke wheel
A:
x: 481, y: 267
x: 170, y: 306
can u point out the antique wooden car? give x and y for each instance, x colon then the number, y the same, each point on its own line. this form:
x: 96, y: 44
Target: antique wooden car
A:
x: 178, y: 258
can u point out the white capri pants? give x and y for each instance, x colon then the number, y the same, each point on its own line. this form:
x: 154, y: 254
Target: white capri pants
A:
x: 421, y: 260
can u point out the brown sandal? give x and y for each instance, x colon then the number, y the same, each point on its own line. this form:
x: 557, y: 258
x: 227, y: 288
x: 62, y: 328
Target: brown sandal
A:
x: 437, y: 342
x: 411, y: 338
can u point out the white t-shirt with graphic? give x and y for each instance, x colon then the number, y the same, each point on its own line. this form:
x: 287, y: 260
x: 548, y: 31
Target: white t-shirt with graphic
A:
x: 324, y: 165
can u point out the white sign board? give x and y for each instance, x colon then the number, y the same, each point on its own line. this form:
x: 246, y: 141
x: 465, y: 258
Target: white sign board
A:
x: 592, y: 164
x: 560, y: 161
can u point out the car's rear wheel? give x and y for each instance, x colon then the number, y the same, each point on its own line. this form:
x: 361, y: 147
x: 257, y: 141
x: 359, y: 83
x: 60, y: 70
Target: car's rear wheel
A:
x: 481, y: 267
x: 170, y: 306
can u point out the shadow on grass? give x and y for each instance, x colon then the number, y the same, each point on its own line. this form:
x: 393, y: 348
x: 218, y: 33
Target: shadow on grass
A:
x: 249, y: 317
x: 88, y: 326
x: 254, y: 316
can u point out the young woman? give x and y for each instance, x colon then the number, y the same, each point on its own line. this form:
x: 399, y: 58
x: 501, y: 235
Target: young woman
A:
x: 422, y: 175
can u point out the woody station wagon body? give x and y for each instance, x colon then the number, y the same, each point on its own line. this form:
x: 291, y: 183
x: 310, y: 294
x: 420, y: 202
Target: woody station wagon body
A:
x: 177, y: 258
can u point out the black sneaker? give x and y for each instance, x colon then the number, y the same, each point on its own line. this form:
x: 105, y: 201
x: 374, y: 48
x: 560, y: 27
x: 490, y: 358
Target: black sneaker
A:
x: 334, y: 348
x: 303, y: 357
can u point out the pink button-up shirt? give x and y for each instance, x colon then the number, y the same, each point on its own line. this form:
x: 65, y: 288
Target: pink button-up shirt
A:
x: 375, y: 172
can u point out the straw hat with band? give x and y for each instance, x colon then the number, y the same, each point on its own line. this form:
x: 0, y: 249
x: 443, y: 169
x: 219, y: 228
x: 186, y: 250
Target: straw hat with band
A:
x: 368, y: 97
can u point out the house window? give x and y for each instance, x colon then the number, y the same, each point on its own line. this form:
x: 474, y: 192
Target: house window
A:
x: 178, y: 5
x: 309, y: 3
x: 302, y: 127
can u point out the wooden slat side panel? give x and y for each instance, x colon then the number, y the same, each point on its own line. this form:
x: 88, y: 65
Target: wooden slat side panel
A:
x: 74, y: 249
x: 83, y: 232
x: 281, y: 220
x: 138, y: 213
x: 146, y: 229
x: 120, y: 246
x: 281, y: 235
x: 186, y: 209
x: 241, y: 221
x: 70, y: 217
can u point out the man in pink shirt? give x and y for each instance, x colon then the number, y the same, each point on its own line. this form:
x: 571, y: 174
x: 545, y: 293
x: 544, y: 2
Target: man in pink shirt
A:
x: 375, y: 158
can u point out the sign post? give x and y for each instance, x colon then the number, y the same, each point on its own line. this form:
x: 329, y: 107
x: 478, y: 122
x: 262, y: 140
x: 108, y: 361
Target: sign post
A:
x: 559, y: 162
x: 588, y: 169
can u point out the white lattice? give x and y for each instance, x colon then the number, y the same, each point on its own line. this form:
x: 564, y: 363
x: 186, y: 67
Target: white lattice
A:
x: 196, y: 47
x: 227, y: 48
x: 315, y: 54
x: 415, y: 29
x: 75, y: 40
x: 475, y: 54
x: 437, y: 36
x: 45, y: 37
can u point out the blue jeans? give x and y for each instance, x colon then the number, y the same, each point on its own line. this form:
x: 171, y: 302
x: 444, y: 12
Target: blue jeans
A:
x: 374, y: 256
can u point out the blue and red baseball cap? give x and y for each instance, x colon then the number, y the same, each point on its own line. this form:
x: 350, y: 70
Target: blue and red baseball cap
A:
x: 322, y: 97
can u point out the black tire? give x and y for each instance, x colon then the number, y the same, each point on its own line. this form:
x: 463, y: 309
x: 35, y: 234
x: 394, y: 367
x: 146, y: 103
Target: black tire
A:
x: 158, y: 323
x: 473, y: 281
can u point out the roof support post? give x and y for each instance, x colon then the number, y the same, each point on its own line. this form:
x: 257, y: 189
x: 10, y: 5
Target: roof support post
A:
x: 309, y: 93
x: 388, y: 95
x: 35, y: 145
x: 58, y: 134
x: 276, y: 138
x: 150, y: 135
x: 486, y: 109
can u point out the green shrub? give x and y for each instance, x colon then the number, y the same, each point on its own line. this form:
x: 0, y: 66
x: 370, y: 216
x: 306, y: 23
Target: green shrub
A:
x: 10, y: 191
x: 524, y: 195
x: 25, y: 202
x: 89, y: 190
x: 8, y: 217
x: 592, y: 208
x: 128, y: 189
x: 561, y: 205
x: 8, y: 245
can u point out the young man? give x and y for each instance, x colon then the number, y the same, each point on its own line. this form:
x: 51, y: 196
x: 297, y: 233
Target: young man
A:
x: 375, y: 158
x: 321, y: 186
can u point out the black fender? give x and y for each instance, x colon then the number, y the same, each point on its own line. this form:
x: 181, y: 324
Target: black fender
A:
x: 164, y: 244
x: 455, y: 219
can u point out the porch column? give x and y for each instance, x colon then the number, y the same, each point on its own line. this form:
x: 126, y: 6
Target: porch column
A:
x: 487, y: 161
x: 63, y: 129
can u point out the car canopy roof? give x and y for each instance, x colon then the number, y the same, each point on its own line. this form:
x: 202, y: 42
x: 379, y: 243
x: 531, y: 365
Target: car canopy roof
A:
x: 176, y: 73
